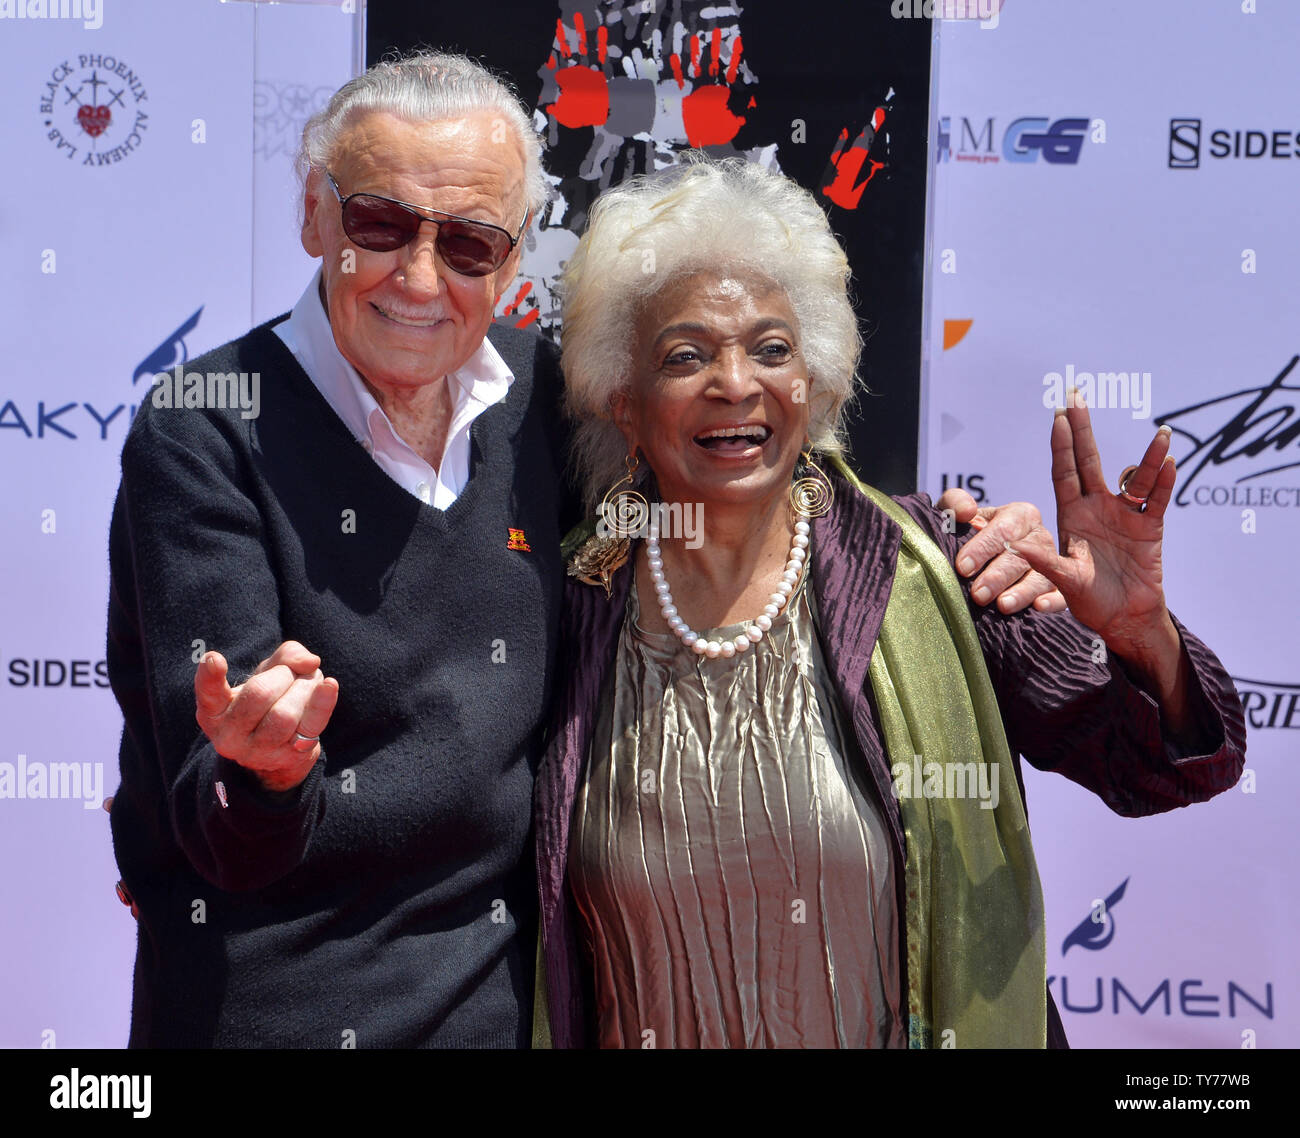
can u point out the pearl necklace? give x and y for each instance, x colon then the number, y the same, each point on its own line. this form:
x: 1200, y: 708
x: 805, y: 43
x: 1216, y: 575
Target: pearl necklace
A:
x: 754, y: 633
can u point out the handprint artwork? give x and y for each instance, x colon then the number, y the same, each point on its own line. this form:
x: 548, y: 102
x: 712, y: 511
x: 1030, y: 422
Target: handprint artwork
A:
x: 626, y: 87
x: 844, y: 183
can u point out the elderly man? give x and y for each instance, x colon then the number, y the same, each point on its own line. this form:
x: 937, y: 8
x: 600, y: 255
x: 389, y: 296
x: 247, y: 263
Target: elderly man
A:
x: 343, y: 860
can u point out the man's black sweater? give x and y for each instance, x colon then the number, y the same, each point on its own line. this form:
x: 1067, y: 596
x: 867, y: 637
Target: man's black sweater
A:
x: 389, y: 901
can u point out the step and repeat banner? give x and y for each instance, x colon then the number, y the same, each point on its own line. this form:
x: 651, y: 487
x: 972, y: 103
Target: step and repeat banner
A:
x: 147, y: 213
x: 1114, y: 195
x: 1105, y: 210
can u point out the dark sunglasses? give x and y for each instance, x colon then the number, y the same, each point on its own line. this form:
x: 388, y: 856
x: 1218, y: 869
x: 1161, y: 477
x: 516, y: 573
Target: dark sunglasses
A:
x: 471, y: 248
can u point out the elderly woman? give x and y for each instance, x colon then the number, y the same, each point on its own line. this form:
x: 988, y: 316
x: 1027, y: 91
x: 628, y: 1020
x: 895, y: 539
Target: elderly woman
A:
x: 782, y: 803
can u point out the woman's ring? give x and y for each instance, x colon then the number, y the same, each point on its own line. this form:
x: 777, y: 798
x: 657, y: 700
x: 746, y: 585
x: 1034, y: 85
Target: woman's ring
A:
x: 1131, y: 499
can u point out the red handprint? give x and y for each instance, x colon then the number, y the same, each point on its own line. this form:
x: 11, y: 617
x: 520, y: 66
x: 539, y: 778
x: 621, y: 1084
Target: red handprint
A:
x: 584, y: 90
x: 840, y: 182
x: 706, y: 118
x: 516, y: 315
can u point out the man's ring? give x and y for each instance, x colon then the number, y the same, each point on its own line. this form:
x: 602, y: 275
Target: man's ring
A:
x: 299, y: 737
x: 1131, y: 499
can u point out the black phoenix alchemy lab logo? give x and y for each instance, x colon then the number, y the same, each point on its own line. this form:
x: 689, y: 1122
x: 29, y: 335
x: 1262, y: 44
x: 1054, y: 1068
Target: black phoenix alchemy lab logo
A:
x: 91, y: 109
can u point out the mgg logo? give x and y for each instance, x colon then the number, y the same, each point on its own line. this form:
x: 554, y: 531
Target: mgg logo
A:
x: 1059, y: 142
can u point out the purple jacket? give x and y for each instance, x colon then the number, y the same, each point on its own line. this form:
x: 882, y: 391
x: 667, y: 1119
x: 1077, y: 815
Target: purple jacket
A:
x: 1063, y: 712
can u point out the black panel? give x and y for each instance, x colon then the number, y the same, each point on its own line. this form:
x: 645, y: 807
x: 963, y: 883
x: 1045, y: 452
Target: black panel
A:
x: 825, y: 64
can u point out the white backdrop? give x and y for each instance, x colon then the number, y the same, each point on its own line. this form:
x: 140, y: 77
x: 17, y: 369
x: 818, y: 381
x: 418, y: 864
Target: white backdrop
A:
x: 112, y: 272
x: 126, y: 265
x: 1187, y: 277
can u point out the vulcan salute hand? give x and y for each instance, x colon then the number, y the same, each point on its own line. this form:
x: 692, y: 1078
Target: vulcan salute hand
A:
x: 1109, y: 566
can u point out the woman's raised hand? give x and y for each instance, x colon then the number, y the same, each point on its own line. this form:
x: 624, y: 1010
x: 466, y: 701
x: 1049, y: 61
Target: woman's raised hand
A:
x: 1109, y: 567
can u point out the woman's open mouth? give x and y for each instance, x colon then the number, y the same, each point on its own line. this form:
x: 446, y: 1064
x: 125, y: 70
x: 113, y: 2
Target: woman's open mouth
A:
x: 734, y: 440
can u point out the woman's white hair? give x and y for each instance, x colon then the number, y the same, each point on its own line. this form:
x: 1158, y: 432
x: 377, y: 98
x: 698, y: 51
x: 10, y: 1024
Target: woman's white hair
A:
x: 425, y: 86
x: 704, y: 214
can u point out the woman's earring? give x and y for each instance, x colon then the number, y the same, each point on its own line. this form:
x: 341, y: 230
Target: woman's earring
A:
x: 812, y: 497
x: 623, y: 513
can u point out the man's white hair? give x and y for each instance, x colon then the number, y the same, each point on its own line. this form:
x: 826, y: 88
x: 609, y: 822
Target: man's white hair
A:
x: 705, y: 214
x: 426, y: 86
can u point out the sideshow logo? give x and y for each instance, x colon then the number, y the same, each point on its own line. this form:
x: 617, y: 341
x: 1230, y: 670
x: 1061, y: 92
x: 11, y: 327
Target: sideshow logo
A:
x: 34, y: 673
x: 1186, y: 148
x: 1254, y: 431
x: 1059, y: 142
x: 1184, y: 144
x: 93, y: 109
x: 1266, y: 704
x: 1101, y: 995
x: 67, y: 419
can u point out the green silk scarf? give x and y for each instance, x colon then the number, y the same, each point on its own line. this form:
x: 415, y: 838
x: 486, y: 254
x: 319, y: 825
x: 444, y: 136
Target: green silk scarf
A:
x: 976, y: 945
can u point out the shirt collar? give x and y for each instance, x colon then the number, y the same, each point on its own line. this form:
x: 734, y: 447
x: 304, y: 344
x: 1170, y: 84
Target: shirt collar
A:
x: 480, y: 381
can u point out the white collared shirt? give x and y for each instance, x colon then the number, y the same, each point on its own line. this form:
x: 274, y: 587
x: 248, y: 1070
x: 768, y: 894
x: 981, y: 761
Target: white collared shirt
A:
x: 484, y: 379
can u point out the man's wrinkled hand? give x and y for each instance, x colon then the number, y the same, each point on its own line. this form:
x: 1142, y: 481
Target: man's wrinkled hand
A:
x: 1003, y: 573
x: 270, y: 723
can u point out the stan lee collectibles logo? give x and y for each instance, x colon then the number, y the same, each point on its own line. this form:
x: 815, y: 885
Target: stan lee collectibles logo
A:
x: 91, y: 111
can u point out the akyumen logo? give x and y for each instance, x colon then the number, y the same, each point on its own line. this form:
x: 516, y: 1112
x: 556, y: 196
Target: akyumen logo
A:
x: 1114, y: 995
x: 172, y: 351
x: 1097, y: 929
x: 58, y: 419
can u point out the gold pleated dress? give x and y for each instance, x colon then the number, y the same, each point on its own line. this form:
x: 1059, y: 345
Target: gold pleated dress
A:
x: 729, y: 858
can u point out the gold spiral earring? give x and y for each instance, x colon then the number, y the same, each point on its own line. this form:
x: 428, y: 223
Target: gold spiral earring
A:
x: 628, y: 512
x: 812, y: 497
